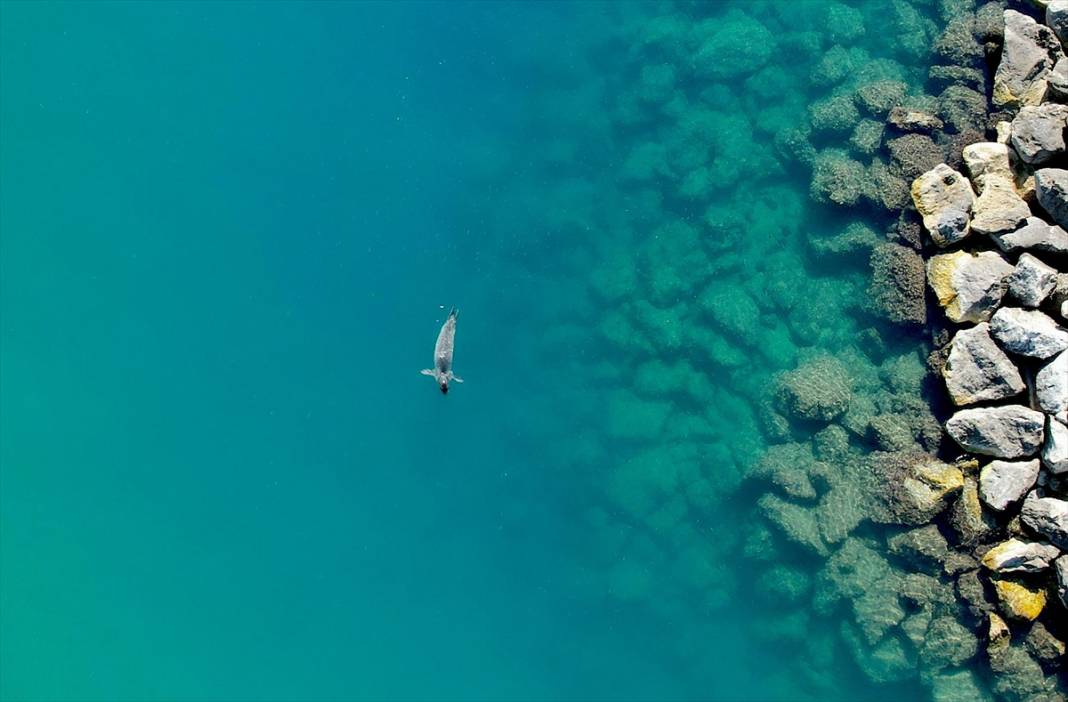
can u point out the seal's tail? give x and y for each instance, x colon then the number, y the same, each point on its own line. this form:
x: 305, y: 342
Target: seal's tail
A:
x: 454, y: 313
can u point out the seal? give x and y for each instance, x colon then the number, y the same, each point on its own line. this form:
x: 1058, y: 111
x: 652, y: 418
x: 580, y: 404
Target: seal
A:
x: 442, y: 370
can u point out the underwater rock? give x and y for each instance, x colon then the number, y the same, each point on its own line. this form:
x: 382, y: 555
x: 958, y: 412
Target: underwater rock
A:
x: 977, y: 370
x: 891, y: 432
x: 1051, y: 386
x: 834, y: 114
x: 1019, y: 676
x: 1055, y: 451
x: 963, y: 109
x: 942, y: 77
x: 913, y: 155
x: 1019, y: 600
x: 1035, y: 234
x: 998, y: 635
x: 1027, y: 332
x: 1028, y: 56
x: 1051, y: 189
x: 947, y: 644
x: 957, y: 44
x: 969, y: 286
x: 859, y: 574
x: 1043, y: 645
x: 967, y: 518
x: 879, y: 97
x: 998, y: 209
x: 943, y: 196
x: 888, y: 661
x: 819, y: 389
x: 867, y: 136
x: 913, y: 487
x: 957, y: 686
x: 1038, y: 132
x: 1002, y: 483
x: 1009, y: 431
x: 1047, y: 516
x: 732, y: 46
x: 969, y: 588
x: 897, y: 284
x: 924, y: 548
x: 1015, y: 556
x: 836, y: 178
x: 906, y: 120
x: 1032, y: 281
x: 797, y: 523
x: 886, y: 189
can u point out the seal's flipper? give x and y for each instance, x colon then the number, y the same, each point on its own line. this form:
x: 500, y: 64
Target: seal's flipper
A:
x: 427, y: 371
x: 455, y: 378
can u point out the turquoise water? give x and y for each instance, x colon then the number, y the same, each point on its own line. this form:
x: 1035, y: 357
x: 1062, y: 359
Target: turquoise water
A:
x: 229, y: 235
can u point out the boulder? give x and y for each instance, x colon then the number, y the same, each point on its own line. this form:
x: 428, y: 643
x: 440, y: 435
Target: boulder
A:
x: 1048, y: 517
x: 1009, y: 431
x: 1032, y: 281
x: 1057, y: 18
x: 1043, y: 645
x: 913, y: 154
x: 836, y: 178
x: 797, y: 523
x: 1055, y: 450
x: 963, y: 109
x: 906, y: 120
x: 987, y: 158
x: 1015, y: 556
x: 970, y: 522
x: 977, y: 370
x: 969, y: 286
x: 1002, y: 483
x: 998, y: 209
x: 924, y: 548
x: 912, y: 488
x: 1038, y: 132
x: 1061, y: 568
x: 1027, y: 332
x: 1051, y: 189
x: 1034, y: 234
x: 1019, y: 600
x: 819, y: 389
x: 897, y: 284
x: 944, y: 198
x: 998, y: 635
x: 947, y: 643
x: 1028, y: 56
x: 1051, y: 386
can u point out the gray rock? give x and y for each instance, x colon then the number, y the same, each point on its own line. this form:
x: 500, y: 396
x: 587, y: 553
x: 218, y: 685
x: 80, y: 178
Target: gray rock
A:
x: 1043, y: 645
x: 987, y: 158
x: 1010, y: 431
x: 940, y: 191
x: 1032, y: 281
x: 1051, y: 386
x: 907, y: 120
x: 1055, y: 450
x: 969, y: 286
x: 1028, y: 57
x: 1061, y: 568
x: 1035, y: 234
x: 1058, y: 80
x: 978, y: 370
x: 1057, y: 18
x: 1051, y: 189
x: 1027, y: 332
x: 1048, y: 517
x: 924, y: 548
x: 1001, y: 483
x: 910, y: 488
x: 947, y: 643
x: 1038, y: 132
x: 998, y: 209
x: 1015, y: 556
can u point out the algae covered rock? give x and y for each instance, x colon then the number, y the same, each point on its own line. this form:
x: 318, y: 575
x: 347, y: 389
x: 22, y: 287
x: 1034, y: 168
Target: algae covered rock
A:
x: 732, y: 46
x: 1010, y: 431
x: 836, y: 178
x: 817, y: 390
x: 1020, y: 600
x: 1015, y: 556
x: 948, y: 644
x: 924, y: 548
x: 1028, y: 57
x: 912, y: 487
x: 969, y: 521
x: 897, y: 284
x: 977, y: 370
x: 944, y: 198
x: 969, y: 286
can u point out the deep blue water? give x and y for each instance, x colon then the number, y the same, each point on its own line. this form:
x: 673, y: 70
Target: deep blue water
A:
x: 229, y: 235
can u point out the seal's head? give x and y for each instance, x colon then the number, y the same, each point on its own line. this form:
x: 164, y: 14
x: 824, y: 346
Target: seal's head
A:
x: 443, y: 383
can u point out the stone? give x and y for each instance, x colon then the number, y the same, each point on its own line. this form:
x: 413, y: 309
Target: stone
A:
x: 1018, y: 676
x: 913, y: 154
x: 912, y: 487
x: 987, y: 158
x: 1002, y: 483
x: 1057, y: 18
x: 1009, y: 431
x: 906, y: 120
x: 1034, y: 234
x: 1015, y: 556
x: 969, y: 521
x: 1032, y: 281
x: 818, y: 390
x: 1043, y: 645
x: 1061, y: 568
x: 998, y: 209
x: 977, y: 370
x: 1051, y: 386
x: 1051, y: 190
x: 1029, y: 54
x: 943, y: 196
x: 1058, y: 80
x: 925, y: 548
x: 1048, y: 517
x: 969, y: 286
x: 1038, y: 132
x: 998, y: 635
x: 797, y: 523
x: 836, y: 178
x: 867, y: 136
x: 1020, y: 600
x: 1055, y: 450
x: 897, y: 284
x: 963, y: 110
x: 1027, y: 332
x: 947, y: 644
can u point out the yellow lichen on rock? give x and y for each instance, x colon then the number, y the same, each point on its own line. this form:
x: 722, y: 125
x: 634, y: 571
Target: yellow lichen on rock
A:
x: 1020, y: 601
x: 940, y: 271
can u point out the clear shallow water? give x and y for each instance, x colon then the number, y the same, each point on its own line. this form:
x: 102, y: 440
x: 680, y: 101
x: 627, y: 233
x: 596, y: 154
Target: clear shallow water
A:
x: 227, y: 232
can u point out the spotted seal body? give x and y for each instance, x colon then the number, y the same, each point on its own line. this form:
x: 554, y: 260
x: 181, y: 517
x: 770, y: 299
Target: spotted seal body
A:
x: 442, y: 370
